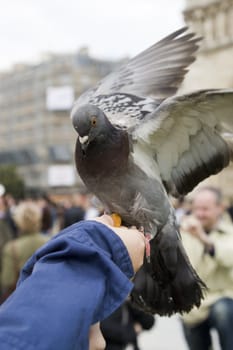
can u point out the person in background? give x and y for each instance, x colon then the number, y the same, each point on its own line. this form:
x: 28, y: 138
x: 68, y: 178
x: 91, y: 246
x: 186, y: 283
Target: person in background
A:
x: 76, y: 212
x: 5, y: 231
x: 227, y: 213
x: 10, y: 208
x: 15, y: 253
x: 58, y: 223
x: 123, y: 327
x: 230, y: 210
x: 208, y: 240
x: 47, y: 218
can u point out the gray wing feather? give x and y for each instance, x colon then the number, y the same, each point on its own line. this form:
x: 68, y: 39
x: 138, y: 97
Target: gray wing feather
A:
x: 136, y: 90
x: 191, y: 136
x: 156, y: 72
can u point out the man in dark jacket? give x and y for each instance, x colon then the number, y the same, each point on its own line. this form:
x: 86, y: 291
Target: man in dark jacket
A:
x: 123, y: 326
x: 76, y: 212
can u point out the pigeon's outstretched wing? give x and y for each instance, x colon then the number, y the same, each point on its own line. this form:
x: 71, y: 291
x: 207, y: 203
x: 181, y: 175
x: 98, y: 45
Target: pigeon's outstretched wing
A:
x: 155, y: 73
x: 190, y: 136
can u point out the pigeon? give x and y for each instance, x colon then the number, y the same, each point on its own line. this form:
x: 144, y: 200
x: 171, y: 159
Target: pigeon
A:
x: 138, y: 142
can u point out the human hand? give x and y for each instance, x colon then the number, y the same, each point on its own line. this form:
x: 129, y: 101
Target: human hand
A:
x: 193, y: 226
x: 137, y: 328
x: 133, y: 239
x: 96, y: 339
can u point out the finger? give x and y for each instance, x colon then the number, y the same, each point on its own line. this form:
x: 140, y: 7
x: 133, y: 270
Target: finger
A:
x: 105, y: 219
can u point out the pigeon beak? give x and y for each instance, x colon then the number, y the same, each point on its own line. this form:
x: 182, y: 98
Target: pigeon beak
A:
x: 84, y: 141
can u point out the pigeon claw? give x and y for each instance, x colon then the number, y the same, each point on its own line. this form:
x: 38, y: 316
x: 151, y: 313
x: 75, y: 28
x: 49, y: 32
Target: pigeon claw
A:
x: 116, y: 220
x: 148, y: 249
x: 148, y: 237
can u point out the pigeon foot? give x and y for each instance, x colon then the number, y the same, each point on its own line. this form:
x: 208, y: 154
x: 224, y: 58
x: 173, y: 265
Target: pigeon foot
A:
x: 116, y: 220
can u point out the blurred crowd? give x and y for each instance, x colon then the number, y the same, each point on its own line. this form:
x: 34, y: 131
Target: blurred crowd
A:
x: 206, y: 225
x: 27, y: 224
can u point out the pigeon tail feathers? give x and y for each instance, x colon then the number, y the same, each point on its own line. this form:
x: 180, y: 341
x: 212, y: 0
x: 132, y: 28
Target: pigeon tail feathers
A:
x: 169, y: 284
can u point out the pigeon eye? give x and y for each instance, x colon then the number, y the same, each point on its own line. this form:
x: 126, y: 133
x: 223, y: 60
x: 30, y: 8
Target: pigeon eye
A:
x: 93, y: 121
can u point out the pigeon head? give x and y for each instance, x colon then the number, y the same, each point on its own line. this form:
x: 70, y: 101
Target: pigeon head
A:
x: 90, y: 123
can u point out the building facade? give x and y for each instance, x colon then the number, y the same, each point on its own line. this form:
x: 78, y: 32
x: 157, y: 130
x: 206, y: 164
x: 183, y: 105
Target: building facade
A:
x: 36, y: 133
x: 35, y: 100
x: 212, y: 20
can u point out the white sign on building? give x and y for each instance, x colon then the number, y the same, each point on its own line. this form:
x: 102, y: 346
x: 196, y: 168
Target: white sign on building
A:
x: 61, y: 175
x: 59, y: 98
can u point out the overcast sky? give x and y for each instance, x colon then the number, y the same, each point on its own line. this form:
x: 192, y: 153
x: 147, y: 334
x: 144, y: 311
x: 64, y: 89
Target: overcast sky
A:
x: 110, y: 28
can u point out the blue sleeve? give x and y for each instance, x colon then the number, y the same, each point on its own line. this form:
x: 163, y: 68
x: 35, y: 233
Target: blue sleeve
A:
x: 78, y: 278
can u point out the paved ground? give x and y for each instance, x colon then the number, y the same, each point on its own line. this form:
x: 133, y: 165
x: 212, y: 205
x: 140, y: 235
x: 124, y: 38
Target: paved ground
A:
x: 166, y: 335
